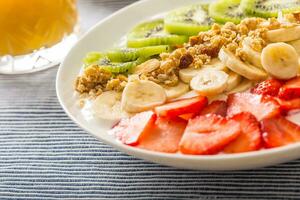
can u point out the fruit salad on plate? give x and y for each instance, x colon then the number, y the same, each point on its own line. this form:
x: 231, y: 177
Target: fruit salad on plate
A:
x: 204, y: 80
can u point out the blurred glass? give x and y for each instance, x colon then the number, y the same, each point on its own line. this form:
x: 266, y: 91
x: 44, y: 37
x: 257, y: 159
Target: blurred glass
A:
x: 35, y: 34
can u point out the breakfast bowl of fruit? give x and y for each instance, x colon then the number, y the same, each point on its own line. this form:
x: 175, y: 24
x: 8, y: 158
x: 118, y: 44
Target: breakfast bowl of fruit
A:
x: 191, y: 84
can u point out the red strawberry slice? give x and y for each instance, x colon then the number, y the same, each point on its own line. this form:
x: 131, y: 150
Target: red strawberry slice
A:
x: 260, y: 106
x: 181, y: 107
x: 250, y: 138
x: 216, y: 107
x: 188, y: 116
x: 279, y: 132
x: 269, y: 87
x: 288, y: 105
x: 290, y: 90
x: 208, y: 134
x: 163, y: 136
x: 129, y: 130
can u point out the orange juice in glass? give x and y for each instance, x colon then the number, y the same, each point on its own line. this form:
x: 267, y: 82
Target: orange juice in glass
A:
x: 35, y: 34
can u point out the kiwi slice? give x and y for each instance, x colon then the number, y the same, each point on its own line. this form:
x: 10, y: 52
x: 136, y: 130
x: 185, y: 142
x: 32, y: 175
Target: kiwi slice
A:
x: 223, y: 11
x: 269, y: 8
x: 131, y: 54
x: 189, y: 20
x: 152, y: 33
x: 125, y: 54
x: 117, y: 67
x: 92, y: 58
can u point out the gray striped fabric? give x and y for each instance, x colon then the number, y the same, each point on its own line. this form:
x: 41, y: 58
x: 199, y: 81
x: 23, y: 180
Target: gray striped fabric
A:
x: 44, y: 155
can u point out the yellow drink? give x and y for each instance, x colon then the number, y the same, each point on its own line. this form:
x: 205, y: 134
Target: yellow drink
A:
x: 28, y: 25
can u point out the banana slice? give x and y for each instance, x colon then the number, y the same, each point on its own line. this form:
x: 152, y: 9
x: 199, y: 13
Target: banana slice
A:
x: 177, y: 91
x: 253, y: 57
x: 283, y: 34
x: 233, y: 80
x: 296, y: 45
x: 280, y: 60
x: 235, y: 64
x: 188, y: 95
x: 186, y: 75
x: 142, y: 95
x: 108, y: 106
x: 217, y: 64
x: 243, y: 86
x: 210, y: 82
x: 147, y: 66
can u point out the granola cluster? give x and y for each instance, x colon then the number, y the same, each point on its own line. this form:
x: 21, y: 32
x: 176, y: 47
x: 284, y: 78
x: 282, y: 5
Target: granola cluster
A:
x: 95, y: 80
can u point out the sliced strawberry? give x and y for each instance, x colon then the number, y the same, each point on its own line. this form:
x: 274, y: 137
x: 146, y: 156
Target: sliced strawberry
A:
x: 208, y: 134
x: 250, y: 138
x: 288, y: 105
x: 279, y: 132
x: 188, y: 116
x: 216, y: 107
x: 163, y: 136
x: 260, y: 106
x: 290, y: 90
x: 181, y: 107
x: 269, y: 87
x: 129, y: 130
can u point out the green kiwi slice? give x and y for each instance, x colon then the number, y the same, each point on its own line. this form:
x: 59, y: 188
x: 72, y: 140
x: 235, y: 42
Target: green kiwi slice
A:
x: 152, y: 33
x: 92, y: 58
x: 131, y: 54
x: 223, y: 11
x: 125, y: 54
x: 269, y: 8
x: 189, y: 20
x: 118, y: 68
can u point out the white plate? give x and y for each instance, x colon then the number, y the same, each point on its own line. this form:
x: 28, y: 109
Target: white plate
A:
x: 107, y: 34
